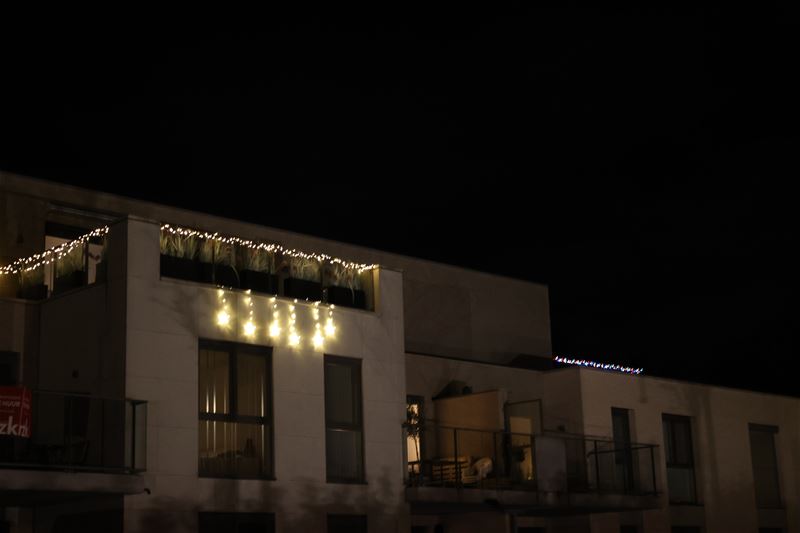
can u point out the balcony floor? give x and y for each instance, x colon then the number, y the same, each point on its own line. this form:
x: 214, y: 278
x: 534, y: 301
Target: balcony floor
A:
x: 24, y: 487
x: 438, y: 500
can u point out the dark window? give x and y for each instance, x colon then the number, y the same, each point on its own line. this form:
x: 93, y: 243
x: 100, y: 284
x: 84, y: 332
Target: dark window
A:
x: 235, y: 402
x: 628, y: 529
x: 765, y: 466
x: 686, y: 529
x: 344, y: 434
x: 770, y: 530
x: 419, y: 529
x: 346, y: 523
x: 680, y: 459
x: 9, y: 368
x: 530, y: 530
x: 236, y: 523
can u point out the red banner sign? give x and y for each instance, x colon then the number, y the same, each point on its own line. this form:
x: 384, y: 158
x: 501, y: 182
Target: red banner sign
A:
x: 15, y: 411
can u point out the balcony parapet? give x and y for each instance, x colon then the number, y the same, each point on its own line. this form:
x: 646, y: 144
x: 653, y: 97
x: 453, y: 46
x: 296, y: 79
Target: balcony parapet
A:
x: 80, y: 433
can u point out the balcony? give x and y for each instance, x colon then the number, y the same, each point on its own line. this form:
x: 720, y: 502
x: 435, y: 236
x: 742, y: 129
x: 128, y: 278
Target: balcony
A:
x: 264, y: 268
x: 454, y: 469
x: 78, y: 444
x: 58, y: 269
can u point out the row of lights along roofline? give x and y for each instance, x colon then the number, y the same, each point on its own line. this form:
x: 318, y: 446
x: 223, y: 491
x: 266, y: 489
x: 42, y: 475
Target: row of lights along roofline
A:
x: 599, y: 366
x: 46, y: 257
x: 268, y: 247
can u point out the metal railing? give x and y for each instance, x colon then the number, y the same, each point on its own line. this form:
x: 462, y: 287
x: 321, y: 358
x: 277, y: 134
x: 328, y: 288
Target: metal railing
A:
x: 80, y: 433
x: 445, y: 456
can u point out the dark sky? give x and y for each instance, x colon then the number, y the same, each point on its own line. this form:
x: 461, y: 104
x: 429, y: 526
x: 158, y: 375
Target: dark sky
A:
x: 638, y: 162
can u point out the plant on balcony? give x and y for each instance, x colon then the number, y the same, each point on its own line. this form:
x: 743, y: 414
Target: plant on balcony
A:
x: 70, y: 270
x: 178, y: 256
x: 31, y: 284
x: 256, y: 271
x: 344, y: 286
x: 304, y: 281
x: 101, y: 267
x: 217, y: 263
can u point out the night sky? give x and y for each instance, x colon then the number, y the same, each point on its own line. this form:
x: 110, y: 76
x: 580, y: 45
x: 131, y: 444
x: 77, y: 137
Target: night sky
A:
x: 636, y: 162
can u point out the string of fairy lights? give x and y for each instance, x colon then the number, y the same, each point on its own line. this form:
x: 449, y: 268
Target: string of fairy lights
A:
x: 268, y: 247
x: 599, y: 366
x: 225, y: 319
x: 26, y: 264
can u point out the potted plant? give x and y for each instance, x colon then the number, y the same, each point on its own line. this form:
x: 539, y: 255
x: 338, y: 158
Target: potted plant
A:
x: 70, y: 270
x: 256, y: 270
x: 31, y: 284
x: 217, y: 263
x: 344, y: 287
x: 304, y: 281
x: 178, y: 257
x: 101, y: 267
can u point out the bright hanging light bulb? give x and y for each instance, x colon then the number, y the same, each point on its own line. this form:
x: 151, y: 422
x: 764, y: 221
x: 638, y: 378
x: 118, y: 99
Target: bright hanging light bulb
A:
x: 249, y: 328
x: 318, y: 339
x: 330, y: 328
x: 223, y: 318
x: 294, y: 339
x: 274, y: 330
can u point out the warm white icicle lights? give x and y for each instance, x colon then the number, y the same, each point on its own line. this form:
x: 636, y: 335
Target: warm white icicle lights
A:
x: 275, y: 326
x: 249, y: 326
x: 294, y: 338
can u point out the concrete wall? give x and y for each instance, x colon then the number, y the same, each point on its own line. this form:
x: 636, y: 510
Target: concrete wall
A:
x: 720, y: 419
x: 580, y: 401
x: 450, y: 311
x: 165, y: 319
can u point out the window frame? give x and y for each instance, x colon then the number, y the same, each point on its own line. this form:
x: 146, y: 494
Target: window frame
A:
x: 233, y: 350
x: 773, y: 431
x: 691, y: 465
x: 331, y: 518
x: 355, y: 364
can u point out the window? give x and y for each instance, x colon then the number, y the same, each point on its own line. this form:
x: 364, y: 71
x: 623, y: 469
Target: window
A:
x: 9, y: 368
x: 765, y: 466
x: 628, y: 529
x: 414, y: 428
x: 235, y: 401
x: 236, y: 523
x: 345, y: 523
x: 680, y: 458
x: 344, y: 435
x: 686, y: 529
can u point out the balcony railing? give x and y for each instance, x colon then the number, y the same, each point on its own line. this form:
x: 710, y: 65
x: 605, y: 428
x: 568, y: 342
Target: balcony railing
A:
x: 67, y: 266
x: 80, y: 433
x: 441, y: 456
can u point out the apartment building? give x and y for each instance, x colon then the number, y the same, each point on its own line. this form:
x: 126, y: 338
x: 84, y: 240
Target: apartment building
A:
x: 168, y: 370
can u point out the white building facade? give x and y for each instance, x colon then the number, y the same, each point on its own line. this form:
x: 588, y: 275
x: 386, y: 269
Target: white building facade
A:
x: 193, y: 373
